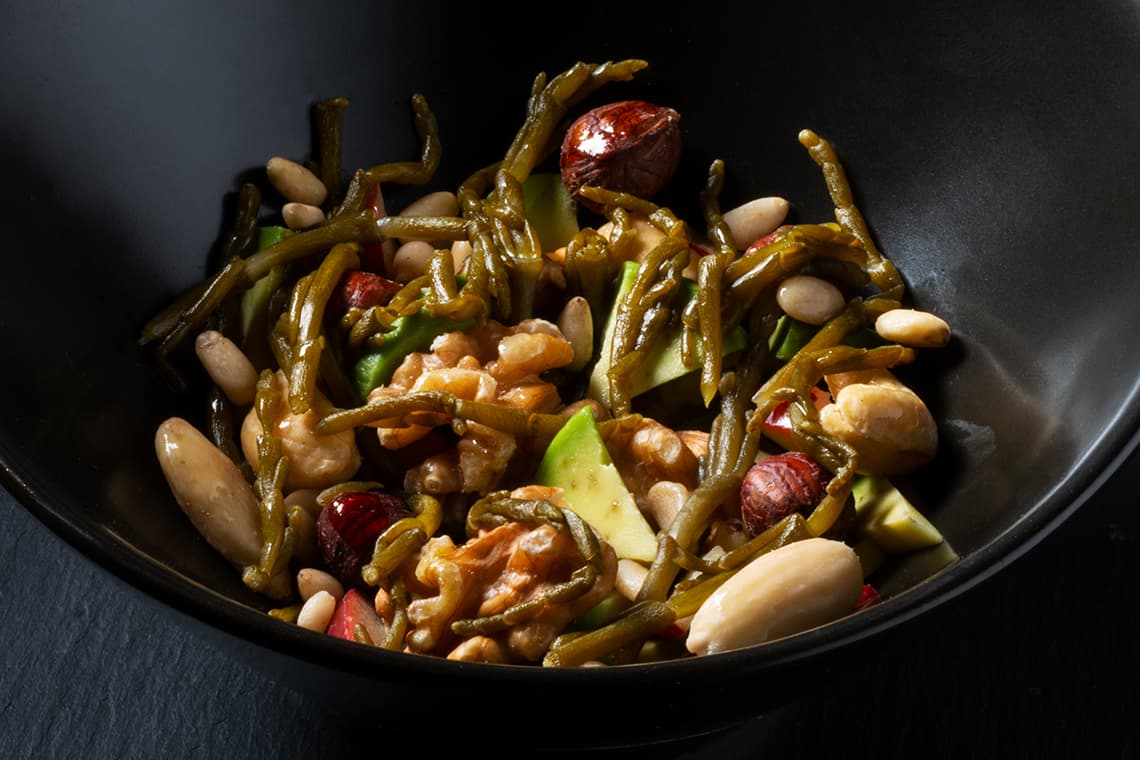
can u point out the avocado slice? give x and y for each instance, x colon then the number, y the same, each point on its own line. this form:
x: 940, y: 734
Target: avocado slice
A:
x: 887, y: 517
x: 550, y: 210
x: 789, y: 337
x: 578, y: 462
x: 414, y: 332
x: 665, y: 362
x: 255, y: 300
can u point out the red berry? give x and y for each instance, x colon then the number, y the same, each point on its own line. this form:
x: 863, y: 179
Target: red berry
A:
x: 362, y: 290
x: 348, y: 527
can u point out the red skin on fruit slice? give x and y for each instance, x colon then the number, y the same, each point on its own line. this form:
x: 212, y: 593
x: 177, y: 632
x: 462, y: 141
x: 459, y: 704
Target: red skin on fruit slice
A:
x: 352, y: 610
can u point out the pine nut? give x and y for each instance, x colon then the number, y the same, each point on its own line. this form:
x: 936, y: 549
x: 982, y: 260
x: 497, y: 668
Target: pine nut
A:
x: 914, y: 328
x: 461, y: 251
x: 753, y: 220
x: 295, y: 182
x: 300, y: 216
x: 227, y: 366
x: 799, y: 586
x: 577, y: 326
x: 211, y: 490
x: 809, y: 299
x: 411, y: 260
x: 317, y: 612
x: 311, y: 580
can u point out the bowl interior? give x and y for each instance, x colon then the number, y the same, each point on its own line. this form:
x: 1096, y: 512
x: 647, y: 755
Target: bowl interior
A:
x: 986, y: 146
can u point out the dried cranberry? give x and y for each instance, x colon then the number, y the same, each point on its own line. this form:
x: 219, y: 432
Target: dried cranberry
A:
x: 362, y: 290
x: 348, y: 527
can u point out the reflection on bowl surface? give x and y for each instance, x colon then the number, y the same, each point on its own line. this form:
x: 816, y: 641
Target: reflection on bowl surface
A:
x: 982, y: 165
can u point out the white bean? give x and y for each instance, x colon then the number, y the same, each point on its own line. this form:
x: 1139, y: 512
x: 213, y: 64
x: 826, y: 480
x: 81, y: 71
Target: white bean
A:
x: 914, y: 328
x: 886, y: 422
x: 227, y: 366
x: 753, y: 220
x: 317, y: 612
x: 315, y: 460
x: 300, y: 216
x: 295, y: 182
x: 799, y: 586
x: 311, y: 580
x: 809, y: 299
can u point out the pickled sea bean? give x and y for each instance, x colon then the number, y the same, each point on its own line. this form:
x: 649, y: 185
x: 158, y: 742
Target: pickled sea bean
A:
x: 732, y: 449
x: 516, y: 238
x: 657, y: 279
x: 588, y: 270
x: 550, y: 104
x: 707, y: 306
x: 220, y: 422
x: 882, y: 270
x: 394, y: 546
x: 499, y: 508
x: 192, y: 310
x: 273, y: 466
x: 329, y: 117
x: 538, y: 426
x: 412, y: 172
x: 399, y: 626
x: 403, y: 538
x: 639, y: 622
x: 309, y: 340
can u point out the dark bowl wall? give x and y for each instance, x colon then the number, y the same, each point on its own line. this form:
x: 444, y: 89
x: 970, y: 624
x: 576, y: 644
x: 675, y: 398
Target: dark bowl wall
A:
x: 990, y: 148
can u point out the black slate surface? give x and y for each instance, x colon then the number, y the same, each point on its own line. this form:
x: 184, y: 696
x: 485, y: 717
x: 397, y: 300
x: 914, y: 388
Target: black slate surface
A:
x: 1039, y: 661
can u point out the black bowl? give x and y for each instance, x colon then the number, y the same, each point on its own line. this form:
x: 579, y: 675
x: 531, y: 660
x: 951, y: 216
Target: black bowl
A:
x: 990, y: 148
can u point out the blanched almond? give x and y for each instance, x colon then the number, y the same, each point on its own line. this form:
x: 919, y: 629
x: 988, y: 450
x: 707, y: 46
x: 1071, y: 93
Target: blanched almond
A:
x: 786, y: 591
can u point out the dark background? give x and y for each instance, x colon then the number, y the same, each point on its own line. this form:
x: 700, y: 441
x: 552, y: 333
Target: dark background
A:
x: 1014, y: 668
x: 1038, y: 661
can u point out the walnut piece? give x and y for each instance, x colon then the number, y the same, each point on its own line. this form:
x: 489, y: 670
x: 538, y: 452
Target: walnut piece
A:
x: 491, y: 363
x: 491, y: 573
